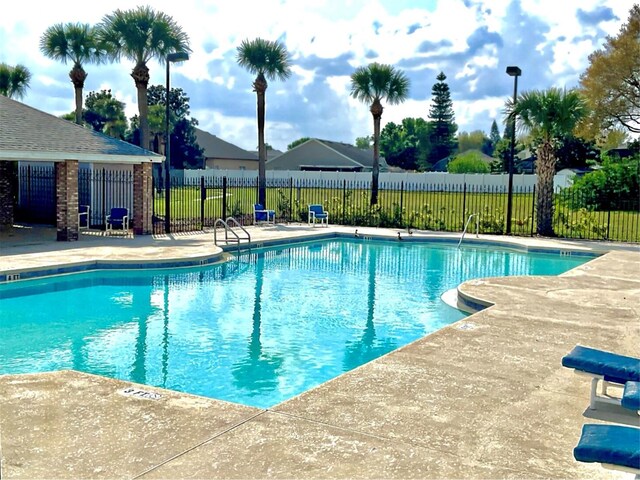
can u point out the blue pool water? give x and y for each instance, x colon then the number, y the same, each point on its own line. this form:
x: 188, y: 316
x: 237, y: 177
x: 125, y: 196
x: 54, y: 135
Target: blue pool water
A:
x: 257, y: 330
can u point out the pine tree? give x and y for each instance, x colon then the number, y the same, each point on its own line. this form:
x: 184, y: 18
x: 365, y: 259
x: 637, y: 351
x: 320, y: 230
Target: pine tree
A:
x: 495, y: 134
x: 442, y: 120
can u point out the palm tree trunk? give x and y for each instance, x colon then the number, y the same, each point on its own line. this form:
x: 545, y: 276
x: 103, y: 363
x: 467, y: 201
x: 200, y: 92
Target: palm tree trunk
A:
x: 78, y: 77
x: 78, y: 91
x: 143, y: 109
x: 545, y: 169
x: 260, y: 87
x: 376, y: 111
x: 140, y: 76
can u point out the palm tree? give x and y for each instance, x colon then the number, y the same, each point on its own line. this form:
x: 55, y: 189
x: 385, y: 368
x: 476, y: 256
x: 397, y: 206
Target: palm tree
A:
x: 77, y: 43
x: 140, y: 35
x: 548, y: 116
x: 14, y: 81
x: 370, y: 85
x: 267, y: 60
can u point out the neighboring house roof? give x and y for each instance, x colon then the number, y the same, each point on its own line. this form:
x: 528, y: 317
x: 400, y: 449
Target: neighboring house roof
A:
x: 621, y: 152
x: 215, y: 147
x: 441, y: 165
x: 28, y: 134
x: 273, y: 153
x: 326, y: 155
x: 525, y: 154
x: 578, y: 171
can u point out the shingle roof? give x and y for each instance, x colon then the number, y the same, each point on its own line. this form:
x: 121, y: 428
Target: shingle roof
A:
x: 30, y: 134
x: 215, y: 147
x: 359, y: 155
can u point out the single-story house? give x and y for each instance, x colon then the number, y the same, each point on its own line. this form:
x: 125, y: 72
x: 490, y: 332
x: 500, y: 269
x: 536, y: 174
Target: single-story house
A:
x: 577, y: 171
x: 525, y: 162
x: 33, y: 137
x: 325, y: 155
x: 221, y: 155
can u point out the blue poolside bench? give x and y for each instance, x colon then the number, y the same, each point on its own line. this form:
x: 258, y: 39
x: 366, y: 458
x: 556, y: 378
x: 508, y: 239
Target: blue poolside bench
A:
x: 606, y: 366
x: 614, y: 446
x: 631, y: 396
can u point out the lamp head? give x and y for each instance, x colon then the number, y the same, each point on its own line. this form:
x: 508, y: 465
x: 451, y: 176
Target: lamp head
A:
x: 514, y: 71
x: 177, y: 57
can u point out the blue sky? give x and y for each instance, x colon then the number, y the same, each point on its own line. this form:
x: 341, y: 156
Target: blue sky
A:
x: 471, y: 41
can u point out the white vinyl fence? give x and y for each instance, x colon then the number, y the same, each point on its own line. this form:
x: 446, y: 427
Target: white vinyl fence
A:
x: 412, y: 181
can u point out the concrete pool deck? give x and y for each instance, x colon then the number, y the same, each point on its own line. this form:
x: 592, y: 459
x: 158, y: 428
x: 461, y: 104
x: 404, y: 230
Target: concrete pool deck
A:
x: 485, y: 397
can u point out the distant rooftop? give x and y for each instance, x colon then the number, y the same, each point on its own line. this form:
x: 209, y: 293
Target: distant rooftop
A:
x: 215, y: 147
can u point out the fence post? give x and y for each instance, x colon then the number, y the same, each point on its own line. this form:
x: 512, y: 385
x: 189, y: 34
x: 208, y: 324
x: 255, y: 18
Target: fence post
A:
x: 224, y: 198
x: 29, y: 186
x: 104, y: 196
x: 533, y: 208
x: 344, y: 201
x: 464, y: 203
x: 608, y: 221
x: 402, y: 204
x: 203, y: 199
x: 290, y: 219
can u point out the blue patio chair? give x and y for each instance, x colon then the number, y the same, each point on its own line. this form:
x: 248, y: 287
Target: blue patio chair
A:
x: 616, y: 447
x: 83, y: 216
x: 262, y: 216
x: 118, y: 219
x: 317, y: 212
x: 608, y: 367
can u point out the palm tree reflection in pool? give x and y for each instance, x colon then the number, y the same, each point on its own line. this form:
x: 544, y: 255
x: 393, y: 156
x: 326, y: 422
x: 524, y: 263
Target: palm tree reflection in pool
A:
x: 367, y: 348
x: 258, y: 371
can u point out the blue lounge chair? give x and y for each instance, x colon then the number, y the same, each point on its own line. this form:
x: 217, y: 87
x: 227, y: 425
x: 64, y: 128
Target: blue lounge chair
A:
x: 262, y: 216
x: 616, y: 447
x: 631, y: 396
x: 317, y: 212
x: 606, y: 366
x: 118, y: 219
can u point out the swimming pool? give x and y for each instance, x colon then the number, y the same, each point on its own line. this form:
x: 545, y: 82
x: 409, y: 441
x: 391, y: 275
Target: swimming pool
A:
x: 257, y: 330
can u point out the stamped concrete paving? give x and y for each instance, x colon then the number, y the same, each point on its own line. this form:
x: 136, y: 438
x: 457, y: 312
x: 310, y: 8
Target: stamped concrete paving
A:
x: 483, y: 398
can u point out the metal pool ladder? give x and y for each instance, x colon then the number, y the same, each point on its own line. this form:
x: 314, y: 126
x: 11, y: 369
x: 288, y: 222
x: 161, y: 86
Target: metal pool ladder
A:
x: 466, y: 225
x: 228, y: 230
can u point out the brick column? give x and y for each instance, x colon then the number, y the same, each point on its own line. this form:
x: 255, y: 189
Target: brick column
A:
x: 142, y: 199
x: 6, y: 195
x: 67, y: 200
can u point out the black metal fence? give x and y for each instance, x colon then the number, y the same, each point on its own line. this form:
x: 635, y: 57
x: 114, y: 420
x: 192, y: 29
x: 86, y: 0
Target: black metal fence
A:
x: 36, y: 199
x: 196, y: 203
x: 100, y: 188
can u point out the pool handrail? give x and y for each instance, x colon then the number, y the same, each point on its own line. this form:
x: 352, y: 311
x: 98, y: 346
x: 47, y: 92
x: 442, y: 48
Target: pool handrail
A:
x: 466, y: 225
x: 227, y: 229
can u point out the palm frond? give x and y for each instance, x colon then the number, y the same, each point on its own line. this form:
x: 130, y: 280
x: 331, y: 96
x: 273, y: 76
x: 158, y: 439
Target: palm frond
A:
x: 75, y: 42
x: 14, y: 81
x: 263, y: 57
x: 547, y: 114
x: 377, y: 81
x: 141, y: 34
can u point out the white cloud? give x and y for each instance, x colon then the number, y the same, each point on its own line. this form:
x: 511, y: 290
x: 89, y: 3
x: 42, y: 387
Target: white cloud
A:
x: 328, y: 39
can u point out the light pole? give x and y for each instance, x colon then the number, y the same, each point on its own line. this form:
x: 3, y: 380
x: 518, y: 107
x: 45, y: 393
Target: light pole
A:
x: 514, y: 72
x: 172, y: 57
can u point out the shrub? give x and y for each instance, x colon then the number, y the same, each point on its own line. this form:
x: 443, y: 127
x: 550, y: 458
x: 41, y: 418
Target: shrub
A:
x: 468, y: 162
x: 613, y: 187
